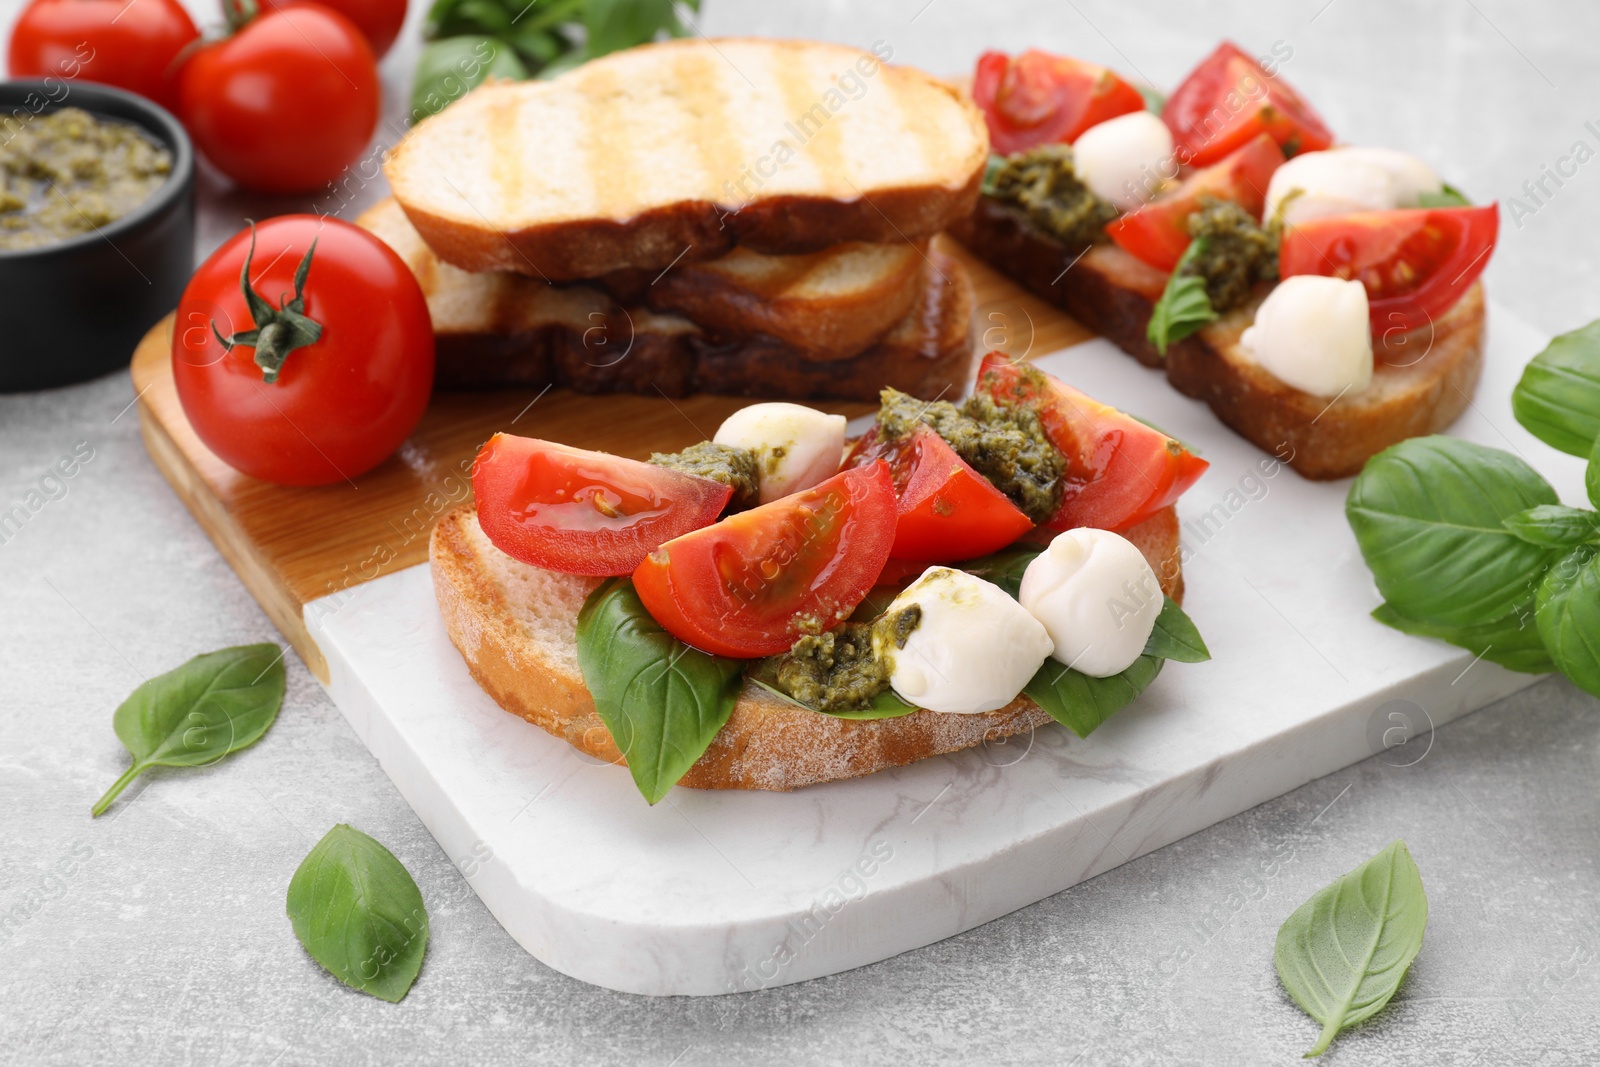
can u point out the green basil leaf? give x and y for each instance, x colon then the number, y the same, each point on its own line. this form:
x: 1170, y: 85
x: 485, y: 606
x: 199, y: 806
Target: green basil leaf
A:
x: 196, y: 714
x: 1081, y: 703
x: 991, y: 172
x: 449, y: 69
x: 1568, y: 613
x: 1176, y: 637
x: 1555, y: 526
x: 613, y: 25
x: 1184, y: 306
x: 662, y: 700
x: 1447, y: 196
x: 1558, y: 398
x: 1512, y: 641
x: 358, y: 912
x: 886, y: 705
x: 1154, y: 99
x: 1343, y: 953
x: 1591, y: 475
x: 1429, y: 516
x: 1004, y: 568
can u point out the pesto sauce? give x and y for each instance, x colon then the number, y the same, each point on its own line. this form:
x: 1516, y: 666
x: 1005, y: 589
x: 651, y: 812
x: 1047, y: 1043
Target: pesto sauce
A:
x: 838, y: 670
x: 1005, y: 443
x: 1042, y: 182
x: 66, y: 173
x: 1236, y: 255
x: 736, y: 467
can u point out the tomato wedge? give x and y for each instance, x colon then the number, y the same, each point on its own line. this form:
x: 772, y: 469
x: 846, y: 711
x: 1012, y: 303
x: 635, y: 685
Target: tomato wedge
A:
x: 1228, y: 99
x: 1415, y: 262
x: 948, y: 511
x: 1038, y: 98
x: 752, y: 583
x: 578, y: 512
x: 1119, y: 471
x: 1158, y: 233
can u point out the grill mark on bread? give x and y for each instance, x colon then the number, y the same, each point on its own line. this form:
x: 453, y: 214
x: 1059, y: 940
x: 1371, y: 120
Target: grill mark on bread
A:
x: 932, y: 144
x: 700, y: 81
x: 824, y: 144
x: 505, y: 168
x: 606, y: 140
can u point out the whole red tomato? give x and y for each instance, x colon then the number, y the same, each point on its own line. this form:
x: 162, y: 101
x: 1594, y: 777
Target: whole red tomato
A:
x: 286, y: 103
x: 129, y: 45
x: 317, y: 371
x: 378, y: 20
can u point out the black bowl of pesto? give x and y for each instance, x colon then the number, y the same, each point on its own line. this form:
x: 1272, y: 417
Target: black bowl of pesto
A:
x: 96, y: 228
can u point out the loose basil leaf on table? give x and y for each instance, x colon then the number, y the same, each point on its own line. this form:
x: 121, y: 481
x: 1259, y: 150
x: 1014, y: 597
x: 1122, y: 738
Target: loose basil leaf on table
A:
x: 662, y: 700
x: 449, y: 69
x: 358, y: 912
x: 1184, y: 306
x: 1569, y: 617
x: 1081, y: 703
x: 1429, y: 515
x: 1555, y: 526
x: 196, y: 714
x: 1558, y: 398
x: 1343, y: 953
x: 1512, y: 641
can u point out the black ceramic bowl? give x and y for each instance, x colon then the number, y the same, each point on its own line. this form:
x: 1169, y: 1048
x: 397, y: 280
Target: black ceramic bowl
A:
x: 76, y: 309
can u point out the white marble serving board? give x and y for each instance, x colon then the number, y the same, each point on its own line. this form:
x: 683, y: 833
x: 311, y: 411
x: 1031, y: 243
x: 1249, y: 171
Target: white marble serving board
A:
x: 713, y: 892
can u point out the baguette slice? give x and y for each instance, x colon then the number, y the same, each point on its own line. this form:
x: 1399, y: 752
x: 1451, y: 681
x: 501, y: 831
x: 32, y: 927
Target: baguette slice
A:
x: 500, y: 329
x: 827, y: 305
x: 1422, y: 383
x: 681, y: 150
x: 514, y: 624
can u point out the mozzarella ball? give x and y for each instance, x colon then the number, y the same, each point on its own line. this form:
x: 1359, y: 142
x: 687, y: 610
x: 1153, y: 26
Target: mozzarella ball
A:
x: 1096, y: 596
x: 1411, y: 176
x: 1313, y: 333
x: 797, y: 446
x: 1318, y: 184
x: 973, y: 650
x: 1121, y: 160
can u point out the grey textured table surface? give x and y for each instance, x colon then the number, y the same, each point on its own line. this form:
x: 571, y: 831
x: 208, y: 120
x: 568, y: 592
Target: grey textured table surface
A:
x: 157, y: 934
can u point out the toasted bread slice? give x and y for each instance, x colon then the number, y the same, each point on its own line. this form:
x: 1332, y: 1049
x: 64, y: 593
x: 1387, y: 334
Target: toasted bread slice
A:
x: 827, y: 305
x: 1422, y: 383
x: 500, y: 329
x: 515, y: 626
x: 680, y: 150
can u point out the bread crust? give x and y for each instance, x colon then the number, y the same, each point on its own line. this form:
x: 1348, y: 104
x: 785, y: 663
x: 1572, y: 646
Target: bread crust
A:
x: 569, y: 249
x: 524, y: 656
x: 1113, y: 294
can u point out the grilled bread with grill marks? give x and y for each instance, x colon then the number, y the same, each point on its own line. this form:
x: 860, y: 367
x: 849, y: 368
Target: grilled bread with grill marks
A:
x: 678, y: 151
x: 515, y: 626
x: 1422, y: 381
x: 499, y: 329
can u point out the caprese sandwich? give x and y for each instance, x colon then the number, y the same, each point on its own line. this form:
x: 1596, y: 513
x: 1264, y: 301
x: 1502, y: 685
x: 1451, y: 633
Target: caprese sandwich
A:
x: 1322, y: 298
x: 778, y: 606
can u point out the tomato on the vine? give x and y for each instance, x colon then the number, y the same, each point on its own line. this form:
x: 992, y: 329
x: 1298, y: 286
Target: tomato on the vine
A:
x: 314, y: 369
x: 378, y: 20
x: 133, y: 46
x: 285, y: 103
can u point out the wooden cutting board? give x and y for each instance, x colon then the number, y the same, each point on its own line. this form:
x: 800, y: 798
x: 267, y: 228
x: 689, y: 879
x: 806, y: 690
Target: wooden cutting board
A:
x: 291, y: 545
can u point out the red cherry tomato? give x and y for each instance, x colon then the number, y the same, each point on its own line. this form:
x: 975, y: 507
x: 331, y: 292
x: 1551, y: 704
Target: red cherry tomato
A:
x: 579, y: 512
x: 1415, y: 263
x: 1158, y: 233
x: 1228, y: 99
x: 747, y: 586
x: 1119, y: 471
x: 339, y: 404
x: 1038, y: 98
x: 132, y: 46
x: 285, y: 104
x: 378, y: 20
x: 948, y: 511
